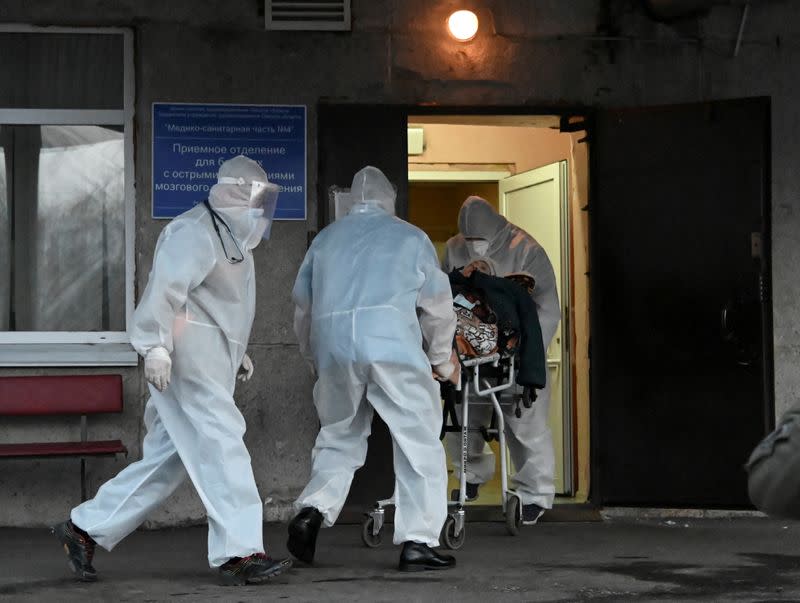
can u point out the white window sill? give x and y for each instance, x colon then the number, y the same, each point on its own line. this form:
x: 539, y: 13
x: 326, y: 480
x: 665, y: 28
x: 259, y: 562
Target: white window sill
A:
x: 67, y: 354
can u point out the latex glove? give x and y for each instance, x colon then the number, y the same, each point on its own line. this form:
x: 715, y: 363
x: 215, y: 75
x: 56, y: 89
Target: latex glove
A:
x: 158, y: 368
x: 246, y: 370
x: 449, y: 371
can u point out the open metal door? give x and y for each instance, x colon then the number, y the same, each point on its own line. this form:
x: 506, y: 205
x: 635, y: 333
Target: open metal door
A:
x: 349, y: 138
x: 681, y: 347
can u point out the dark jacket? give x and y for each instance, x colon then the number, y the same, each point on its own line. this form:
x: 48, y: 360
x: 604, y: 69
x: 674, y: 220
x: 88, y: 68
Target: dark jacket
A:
x: 515, y: 311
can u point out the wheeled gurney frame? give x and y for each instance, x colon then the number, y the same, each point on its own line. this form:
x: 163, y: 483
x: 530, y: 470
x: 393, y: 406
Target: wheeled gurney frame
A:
x: 502, y: 370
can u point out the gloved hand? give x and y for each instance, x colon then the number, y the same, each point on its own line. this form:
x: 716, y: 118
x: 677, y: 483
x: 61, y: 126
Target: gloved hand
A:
x: 158, y: 368
x: 449, y: 371
x: 246, y: 370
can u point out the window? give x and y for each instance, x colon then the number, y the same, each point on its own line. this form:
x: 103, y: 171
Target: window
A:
x: 66, y: 194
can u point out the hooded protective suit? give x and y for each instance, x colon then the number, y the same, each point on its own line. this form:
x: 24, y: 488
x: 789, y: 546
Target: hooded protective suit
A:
x: 485, y: 234
x: 198, y: 308
x: 374, y: 314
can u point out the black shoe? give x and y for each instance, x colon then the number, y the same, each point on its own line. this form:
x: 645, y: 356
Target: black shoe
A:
x: 253, y: 569
x: 471, y: 494
x: 416, y: 557
x: 303, y: 530
x: 531, y: 514
x: 79, y: 548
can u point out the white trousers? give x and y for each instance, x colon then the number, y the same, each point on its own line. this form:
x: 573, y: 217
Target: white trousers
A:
x: 191, y: 430
x: 408, y: 401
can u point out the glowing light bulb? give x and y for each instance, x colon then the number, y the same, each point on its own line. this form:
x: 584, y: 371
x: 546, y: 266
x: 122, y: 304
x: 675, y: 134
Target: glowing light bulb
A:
x: 463, y: 25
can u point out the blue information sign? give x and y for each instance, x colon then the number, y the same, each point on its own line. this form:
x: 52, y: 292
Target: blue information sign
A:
x: 190, y: 141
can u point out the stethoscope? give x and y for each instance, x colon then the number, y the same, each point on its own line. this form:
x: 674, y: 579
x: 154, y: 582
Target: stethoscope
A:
x: 215, y: 217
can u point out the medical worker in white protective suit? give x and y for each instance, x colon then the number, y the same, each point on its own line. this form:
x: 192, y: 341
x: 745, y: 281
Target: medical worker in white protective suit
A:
x: 374, y: 316
x: 485, y: 234
x: 192, y: 326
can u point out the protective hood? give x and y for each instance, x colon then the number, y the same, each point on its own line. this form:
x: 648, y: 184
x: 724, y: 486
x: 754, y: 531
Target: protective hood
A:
x: 246, y: 200
x: 479, y: 220
x: 370, y: 189
x: 511, y: 250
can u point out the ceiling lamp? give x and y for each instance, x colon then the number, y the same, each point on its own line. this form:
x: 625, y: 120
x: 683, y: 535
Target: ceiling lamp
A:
x: 463, y: 25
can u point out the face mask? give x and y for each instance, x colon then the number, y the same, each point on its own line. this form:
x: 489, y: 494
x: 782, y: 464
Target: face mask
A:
x: 479, y: 247
x: 260, y: 226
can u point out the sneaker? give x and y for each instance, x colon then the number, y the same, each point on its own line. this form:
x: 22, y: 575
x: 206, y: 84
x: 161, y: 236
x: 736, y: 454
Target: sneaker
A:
x: 531, y: 514
x: 253, y: 569
x: 472, y: 493
x: 79, y: 547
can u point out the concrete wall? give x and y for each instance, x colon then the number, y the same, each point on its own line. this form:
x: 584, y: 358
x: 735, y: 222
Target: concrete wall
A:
x: 527, y: 52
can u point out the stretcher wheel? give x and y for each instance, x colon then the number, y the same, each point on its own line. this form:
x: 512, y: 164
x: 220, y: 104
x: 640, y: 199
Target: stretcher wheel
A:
x: 367, y: 537
x: 513, y: 515
x: 449, y: 538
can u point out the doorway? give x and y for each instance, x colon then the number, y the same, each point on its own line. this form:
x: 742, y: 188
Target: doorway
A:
x: 521, y: 167
x: 680, y: 220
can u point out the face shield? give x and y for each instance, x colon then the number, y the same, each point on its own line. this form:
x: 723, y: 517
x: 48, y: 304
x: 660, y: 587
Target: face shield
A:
x: 342, y: 202
x: 262, y: 202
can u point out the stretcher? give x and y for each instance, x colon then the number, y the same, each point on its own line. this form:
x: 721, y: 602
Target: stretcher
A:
x: 483, y: 378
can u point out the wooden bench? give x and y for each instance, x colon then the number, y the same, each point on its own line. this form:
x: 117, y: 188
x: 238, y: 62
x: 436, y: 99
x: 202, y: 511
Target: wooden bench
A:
x: 62, y: 395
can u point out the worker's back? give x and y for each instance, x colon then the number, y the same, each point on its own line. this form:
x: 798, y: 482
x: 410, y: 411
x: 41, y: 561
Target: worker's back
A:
x: 365, y: 284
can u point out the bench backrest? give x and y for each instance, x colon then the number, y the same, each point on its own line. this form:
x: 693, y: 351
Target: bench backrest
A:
x: 60, y: 395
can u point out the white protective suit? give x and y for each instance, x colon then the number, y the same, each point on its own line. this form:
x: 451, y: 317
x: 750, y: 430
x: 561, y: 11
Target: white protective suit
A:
x: 486, y: 234
x: 374, y: 314
x: 199, y: 307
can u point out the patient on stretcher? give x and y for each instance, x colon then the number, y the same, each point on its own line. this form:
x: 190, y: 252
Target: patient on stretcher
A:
x: 498, y: 315
x: 476, y: 328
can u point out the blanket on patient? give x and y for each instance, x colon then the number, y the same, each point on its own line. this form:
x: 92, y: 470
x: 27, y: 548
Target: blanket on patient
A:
x: 499, y: 314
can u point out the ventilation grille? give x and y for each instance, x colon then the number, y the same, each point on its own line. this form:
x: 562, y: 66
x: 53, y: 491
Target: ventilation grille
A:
x: 309, y: 15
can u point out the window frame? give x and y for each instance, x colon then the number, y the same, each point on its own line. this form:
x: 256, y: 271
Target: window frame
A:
x: 50, y: 343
